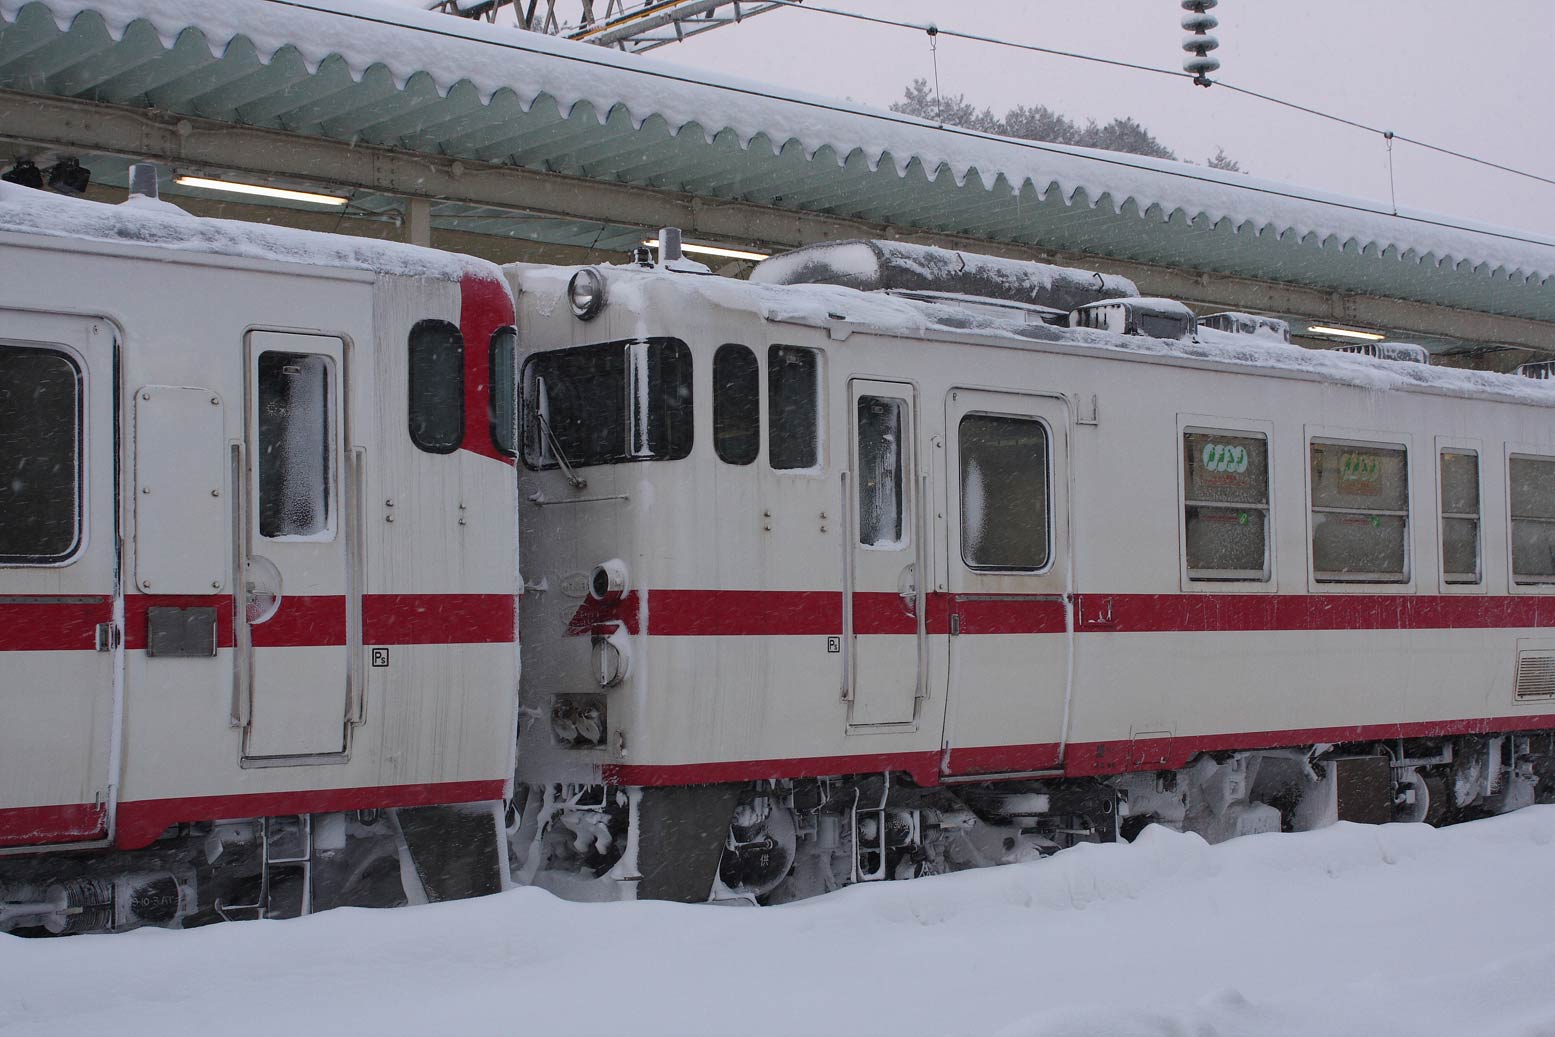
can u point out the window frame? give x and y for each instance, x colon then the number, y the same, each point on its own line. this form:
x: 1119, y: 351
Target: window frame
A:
x: 410, y: 386
x: 1231, y: 426
x: 79, y: 545
x: 822, y: 411
x: 1051, y: 546
x: 1374, y: 439
x: 1527, y: 451
x: 715, y: 396
x: 333, y: 491
x: 1458, y: 445
x: 512, y: 448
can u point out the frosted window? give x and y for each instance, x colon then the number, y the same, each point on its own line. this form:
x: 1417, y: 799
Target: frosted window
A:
x: 1533, y: 519
x: 1460, y: 516
x: 1226, y: 505
x: 793, y: 407
x: 736, y: 404
x: 436, y: 386
x: 1360, y: 513
x: 1005, y: 508
x: 881, y: 498
x: 40, y: 456
x: 503, y: 408
x: 293, y: 397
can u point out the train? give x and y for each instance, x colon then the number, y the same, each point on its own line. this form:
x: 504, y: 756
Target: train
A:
x: 336, y: 571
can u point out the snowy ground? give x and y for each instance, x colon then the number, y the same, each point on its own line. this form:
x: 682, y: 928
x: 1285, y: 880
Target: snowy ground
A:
x: 1393, y: 930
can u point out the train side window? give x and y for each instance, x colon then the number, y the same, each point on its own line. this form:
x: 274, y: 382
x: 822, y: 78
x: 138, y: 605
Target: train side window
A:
x: 793, y: 408
x: 1360, y: 513
x: 1532, y: 485
x: 736, y: 404
x: 882, y: 501
x: 502, y: 411
x: 293, y: 395
x: 1005, y: 500
x: 1460, y: 516
x: 1226, y: 504
x: 40, y: 456
x: 436, y: 351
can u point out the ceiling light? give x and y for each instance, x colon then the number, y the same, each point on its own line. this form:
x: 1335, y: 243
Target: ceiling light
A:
x: 234, y: 187
x: 1368, y: 336
x: 714, y: 250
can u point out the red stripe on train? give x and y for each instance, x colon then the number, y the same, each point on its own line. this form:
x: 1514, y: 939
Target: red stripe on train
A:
x: 40, y: 826
x: 42, y: 624
x: 484, y: 306
x: 141, y: 821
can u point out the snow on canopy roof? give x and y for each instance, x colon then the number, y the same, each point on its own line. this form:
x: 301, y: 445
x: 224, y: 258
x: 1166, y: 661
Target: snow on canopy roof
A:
x: 835, y: 307
x: 391, y: 74
x: 146, y: 221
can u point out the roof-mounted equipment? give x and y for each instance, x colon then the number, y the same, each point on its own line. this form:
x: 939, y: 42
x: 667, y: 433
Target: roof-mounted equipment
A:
x: 1236, y: 323
x: 1152, y: 318
x: 878, y: 266
x: 1404, y: 351
x: 1543, y: 370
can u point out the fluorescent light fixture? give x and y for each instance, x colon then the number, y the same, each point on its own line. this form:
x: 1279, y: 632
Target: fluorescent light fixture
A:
x: 234, y: 187
x: 1367, y: 336
x: 713, y: 250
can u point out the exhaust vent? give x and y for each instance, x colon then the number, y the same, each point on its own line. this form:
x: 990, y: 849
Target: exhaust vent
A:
x: 1543, y: 370
x: 1388, y: 351
x: 1536, y: 673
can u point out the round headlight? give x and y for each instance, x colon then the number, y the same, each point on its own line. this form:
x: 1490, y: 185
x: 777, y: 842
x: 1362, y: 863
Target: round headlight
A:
x: 586, y: 292
x: 607, y: 583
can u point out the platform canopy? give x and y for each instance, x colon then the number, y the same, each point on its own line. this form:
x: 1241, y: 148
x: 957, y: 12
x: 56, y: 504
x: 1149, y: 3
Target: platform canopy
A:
x: 393, y: 80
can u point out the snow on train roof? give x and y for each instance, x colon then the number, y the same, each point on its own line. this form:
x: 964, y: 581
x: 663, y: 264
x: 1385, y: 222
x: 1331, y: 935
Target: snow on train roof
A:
x: 835, y: 307
x: 408, y: 43
x: 145, y: 221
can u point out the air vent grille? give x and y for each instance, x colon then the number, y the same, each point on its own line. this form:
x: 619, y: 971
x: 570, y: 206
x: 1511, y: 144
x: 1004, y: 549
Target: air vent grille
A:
x: 1536, y: 674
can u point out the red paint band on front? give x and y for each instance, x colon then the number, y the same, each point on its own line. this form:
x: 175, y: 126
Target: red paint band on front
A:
x: 40, y: 826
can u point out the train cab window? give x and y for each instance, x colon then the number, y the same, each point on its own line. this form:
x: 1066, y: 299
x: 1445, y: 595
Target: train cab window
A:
x: 1226, y: 505
x: 1005, y: 500
x: 607, y: 404
x: 1532, y: 486
x: 793, y: 408
x: 736, y: 404
x: 293, y: 393
x: 502, y: 411
x: 436, y: 386
x: 1360, y: 513
x: 1460, y: 516
x: 40, y: 456
x: 881, y: 494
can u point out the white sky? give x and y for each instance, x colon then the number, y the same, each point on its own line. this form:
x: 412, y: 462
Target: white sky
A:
x: 1475, y: 77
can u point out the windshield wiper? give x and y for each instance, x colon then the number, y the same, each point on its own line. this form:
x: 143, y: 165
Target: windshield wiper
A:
x: 577, y: 482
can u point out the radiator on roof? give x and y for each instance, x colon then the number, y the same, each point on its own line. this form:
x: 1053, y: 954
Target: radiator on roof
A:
x: 1152, y: 318
x: 1388, y: 351
x: 1543, y: 370
x: 1247, y: 324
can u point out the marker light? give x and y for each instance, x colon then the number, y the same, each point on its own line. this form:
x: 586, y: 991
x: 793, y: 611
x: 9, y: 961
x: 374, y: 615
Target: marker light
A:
x: 1368, y: 336
x: 713, y: 250
x: 234, y: 187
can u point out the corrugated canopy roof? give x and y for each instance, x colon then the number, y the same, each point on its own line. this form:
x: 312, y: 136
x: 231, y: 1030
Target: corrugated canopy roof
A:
x: 359, y: 70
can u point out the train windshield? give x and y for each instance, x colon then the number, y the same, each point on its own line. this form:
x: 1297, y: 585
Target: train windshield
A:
x: 607, y: 404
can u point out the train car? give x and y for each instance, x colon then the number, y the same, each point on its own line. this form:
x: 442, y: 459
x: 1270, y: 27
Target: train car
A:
x: 257, y: 559
x: 900, y: 560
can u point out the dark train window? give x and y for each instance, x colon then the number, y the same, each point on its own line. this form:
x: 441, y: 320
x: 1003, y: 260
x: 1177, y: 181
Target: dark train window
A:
x: 1532, y: 485
x: 736, y: 404
x: 502, y: 411
x: 1460, y: 516
x: 793, y: 408
x: 1360, y: 513
x: 293, y: 397
x: 1006, y: 509
x: 1226, y: 505
x: 436, y: 386
x: 882, y: 500
x: 40, y: 456
x: 608, y: 403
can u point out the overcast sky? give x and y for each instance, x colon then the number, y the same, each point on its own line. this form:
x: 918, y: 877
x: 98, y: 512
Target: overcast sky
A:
x: 1474, y: 77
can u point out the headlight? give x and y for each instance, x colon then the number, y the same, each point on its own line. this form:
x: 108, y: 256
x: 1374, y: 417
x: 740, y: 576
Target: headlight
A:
x: 586, y: 292
x: 612, y: 654
x: 607, y: 583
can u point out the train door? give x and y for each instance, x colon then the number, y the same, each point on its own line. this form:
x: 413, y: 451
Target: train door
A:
x: 299, y: 630
x: 1009, y: 572
x: 883, y: 603
x: 59, y: 647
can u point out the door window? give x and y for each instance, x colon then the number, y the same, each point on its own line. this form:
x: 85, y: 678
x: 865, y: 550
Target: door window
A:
x: 1005, y: 503
x: 293, y: 397
x: 881, y: 497
x: 40, y: 456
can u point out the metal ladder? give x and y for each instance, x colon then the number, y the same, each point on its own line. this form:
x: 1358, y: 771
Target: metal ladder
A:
x: 299, y: 858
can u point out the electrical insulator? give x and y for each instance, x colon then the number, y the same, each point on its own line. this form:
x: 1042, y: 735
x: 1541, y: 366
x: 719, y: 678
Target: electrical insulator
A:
x: 1199, y: 21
